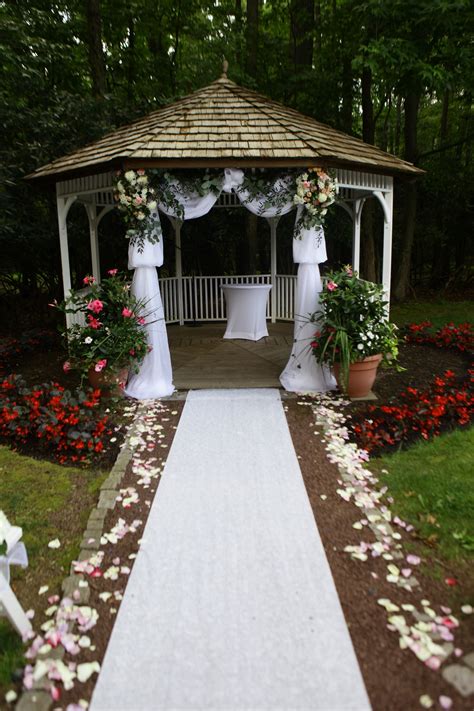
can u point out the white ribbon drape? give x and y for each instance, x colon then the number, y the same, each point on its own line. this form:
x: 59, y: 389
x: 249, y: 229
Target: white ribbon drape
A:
x: 302, y: 373
x: 155, y: 376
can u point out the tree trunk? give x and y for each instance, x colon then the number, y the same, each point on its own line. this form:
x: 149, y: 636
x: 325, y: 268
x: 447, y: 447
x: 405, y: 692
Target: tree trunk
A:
x: 368, y: 267
x: 94, y: 41
x: 318, y: 33
x: 238, y: 29
x: 402, y: 273
x: 251, y: 37
x: 302, y: 25
x: 347, y: 95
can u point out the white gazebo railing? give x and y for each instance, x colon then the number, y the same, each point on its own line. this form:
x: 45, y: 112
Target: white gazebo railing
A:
x: 203, y: 298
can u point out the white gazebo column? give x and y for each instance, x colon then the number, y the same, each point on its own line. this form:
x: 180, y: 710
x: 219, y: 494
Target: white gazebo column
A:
x: 177, y: 224
x: 63, y: 206
x: 386, y: 201
x: 356, y: 217
x: 94, y: 220
x: 273, y: 222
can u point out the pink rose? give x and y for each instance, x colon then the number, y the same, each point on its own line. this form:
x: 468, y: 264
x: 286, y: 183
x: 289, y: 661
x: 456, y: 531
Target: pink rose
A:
x: 140, y: 171
x: 112, y: 272
x: 95, y: 306
x: 331, y: 285
x: 127, y: 313
x: 100, y: 365
x: 138, y: 200
x: 66, y: 366
x: 88, y: 280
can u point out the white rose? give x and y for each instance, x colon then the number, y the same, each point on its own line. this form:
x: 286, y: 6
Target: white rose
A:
x: 142, y: 180
x: 140, y: 215
x: 120, y: 188
x: 322, y: 197
x: 130, y: 176
x: 152, y: 205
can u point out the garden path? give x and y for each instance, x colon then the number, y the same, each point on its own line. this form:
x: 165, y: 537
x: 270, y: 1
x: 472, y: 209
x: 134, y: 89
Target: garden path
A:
x: 231, y: 603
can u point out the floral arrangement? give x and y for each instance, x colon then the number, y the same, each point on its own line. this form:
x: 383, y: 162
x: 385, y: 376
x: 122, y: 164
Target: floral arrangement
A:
x: 138, y: 192
x: 113, y: 336
x: 353, y: 323
x: 316, y: 190
x: 136, y: 201
x: 52, y: 419
x: 424, y: 413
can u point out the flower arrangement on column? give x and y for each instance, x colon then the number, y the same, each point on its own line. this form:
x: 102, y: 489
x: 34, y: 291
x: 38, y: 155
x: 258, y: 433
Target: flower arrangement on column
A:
x: 353, y: 328
x: 316, y: 191
x: 113, y: 338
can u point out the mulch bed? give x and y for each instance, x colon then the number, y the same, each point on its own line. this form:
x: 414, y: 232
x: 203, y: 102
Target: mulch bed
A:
x: 395, y: 679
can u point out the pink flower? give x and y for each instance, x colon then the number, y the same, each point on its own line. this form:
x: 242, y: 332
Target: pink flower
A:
x: 127, y: 313
x: 138, y: 200
x: 93, y: 322
x: 88, y: 280
x: 112, y: 272
x: 349, y: 271
x: 140, y: 171
x: 66, y: 366
x: 100, y: 365
x: 331, y: 285
x: 95, y: 305
x: 141, y: 321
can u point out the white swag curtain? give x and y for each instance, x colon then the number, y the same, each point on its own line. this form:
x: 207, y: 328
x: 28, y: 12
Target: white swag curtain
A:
x: 301, y: 373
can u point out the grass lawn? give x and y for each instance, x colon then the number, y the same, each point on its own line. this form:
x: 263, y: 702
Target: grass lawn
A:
x: 432, y: 484
x: 48, y: 501
x: 439, y: 312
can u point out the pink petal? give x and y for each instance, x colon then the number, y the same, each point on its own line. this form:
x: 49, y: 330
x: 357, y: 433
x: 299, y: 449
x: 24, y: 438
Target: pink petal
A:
x: 445, y: 702
x: 413, y: 559
x: 406, y: 572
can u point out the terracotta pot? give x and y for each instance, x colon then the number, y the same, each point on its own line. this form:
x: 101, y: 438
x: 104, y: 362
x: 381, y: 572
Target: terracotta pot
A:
x: 109, y: 380
x: 361, y: 376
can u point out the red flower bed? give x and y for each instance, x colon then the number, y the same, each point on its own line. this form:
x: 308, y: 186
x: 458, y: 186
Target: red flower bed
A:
x: 52, y: 419
x: 460, y: 338
x: 445, y: 403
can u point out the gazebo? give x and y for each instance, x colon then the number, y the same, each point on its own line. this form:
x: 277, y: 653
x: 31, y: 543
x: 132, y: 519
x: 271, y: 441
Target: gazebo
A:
x: 223, y: 126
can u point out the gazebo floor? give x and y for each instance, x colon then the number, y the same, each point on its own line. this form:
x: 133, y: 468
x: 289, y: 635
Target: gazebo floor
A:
x: 202, y: 359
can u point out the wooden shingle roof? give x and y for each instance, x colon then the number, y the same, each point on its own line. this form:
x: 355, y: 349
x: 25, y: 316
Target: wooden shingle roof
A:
x: 224, y: 124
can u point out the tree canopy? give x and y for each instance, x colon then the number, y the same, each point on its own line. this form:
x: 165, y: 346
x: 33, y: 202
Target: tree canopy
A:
x: 396, y: 73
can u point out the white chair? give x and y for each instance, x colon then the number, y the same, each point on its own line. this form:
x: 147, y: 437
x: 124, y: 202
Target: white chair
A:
x: 15, y: 555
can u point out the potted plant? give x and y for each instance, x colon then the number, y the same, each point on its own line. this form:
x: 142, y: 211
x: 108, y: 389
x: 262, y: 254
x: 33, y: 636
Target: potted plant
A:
x: 354, y: 334
x: 112, y: 339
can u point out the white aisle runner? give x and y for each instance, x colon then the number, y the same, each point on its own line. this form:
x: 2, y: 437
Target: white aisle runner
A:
x: 231, y: 603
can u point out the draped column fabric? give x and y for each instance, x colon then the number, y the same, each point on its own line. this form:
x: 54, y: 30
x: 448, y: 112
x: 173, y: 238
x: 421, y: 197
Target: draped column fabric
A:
x: 302, y: 373
x: 155, y: 377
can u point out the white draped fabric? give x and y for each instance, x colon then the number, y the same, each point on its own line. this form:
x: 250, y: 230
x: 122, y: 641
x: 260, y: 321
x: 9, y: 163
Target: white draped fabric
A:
x: 155, y: 377
x: 302, y: 373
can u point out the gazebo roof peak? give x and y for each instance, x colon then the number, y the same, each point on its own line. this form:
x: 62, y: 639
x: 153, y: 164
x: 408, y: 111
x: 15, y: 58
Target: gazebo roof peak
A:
x: 224, y: 124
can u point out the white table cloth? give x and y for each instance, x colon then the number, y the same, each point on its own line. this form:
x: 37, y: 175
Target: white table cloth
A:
x: 246, y: 310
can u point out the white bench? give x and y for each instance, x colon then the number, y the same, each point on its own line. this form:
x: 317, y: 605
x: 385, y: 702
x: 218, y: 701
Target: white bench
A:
x: 15, y: 555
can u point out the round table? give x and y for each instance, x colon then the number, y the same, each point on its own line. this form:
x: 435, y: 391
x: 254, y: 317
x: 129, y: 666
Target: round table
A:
x: 246, y: 310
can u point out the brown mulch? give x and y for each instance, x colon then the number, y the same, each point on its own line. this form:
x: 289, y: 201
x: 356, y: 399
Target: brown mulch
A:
x: 395, y: 678
x: 422, y: 363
